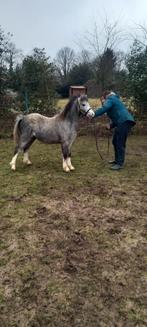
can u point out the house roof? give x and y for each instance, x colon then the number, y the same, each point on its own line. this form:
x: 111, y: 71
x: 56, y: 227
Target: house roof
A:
x: 77, y: 87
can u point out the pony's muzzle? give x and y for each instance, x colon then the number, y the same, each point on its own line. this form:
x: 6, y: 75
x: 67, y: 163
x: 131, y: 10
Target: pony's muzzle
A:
x: 90, y: 113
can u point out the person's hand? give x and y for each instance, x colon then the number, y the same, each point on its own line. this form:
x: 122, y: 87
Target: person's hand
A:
x: 108, y: 127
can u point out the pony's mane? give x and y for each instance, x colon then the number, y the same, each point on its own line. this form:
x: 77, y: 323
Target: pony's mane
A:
x: 68, y: 106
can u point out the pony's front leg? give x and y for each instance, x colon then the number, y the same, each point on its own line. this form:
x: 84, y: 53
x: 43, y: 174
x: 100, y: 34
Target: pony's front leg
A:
x: 69, y: 164
x: 66, y: 155
x: 65, y: 166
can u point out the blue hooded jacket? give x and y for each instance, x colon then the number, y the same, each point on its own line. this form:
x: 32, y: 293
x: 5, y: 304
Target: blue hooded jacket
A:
x: 115, y: 110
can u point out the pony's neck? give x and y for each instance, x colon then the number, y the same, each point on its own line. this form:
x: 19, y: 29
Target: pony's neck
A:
x: 73, y: 114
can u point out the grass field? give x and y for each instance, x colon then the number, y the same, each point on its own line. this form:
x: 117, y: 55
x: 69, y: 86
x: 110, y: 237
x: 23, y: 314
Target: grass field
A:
x: 72, y: 246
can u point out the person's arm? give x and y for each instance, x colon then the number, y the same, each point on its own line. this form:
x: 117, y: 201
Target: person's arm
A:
x: 106, y: 107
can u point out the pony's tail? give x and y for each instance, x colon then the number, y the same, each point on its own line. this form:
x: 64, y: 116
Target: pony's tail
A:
x: 16, y: 131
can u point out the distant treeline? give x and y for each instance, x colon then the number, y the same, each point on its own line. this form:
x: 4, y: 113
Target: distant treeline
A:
x: 34, y: 82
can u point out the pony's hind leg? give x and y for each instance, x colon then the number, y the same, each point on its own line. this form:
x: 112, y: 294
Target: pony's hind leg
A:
x: 22, y: 147
x: 26, y: 159
x: 14, y: 158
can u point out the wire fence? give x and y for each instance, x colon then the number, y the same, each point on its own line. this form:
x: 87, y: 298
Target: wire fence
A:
x: 86, y: 127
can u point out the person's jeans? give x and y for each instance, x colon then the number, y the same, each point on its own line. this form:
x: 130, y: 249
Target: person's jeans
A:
x: 119, y: 141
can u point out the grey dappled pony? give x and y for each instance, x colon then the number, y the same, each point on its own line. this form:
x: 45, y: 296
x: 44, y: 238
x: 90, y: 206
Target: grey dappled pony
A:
x: 61, y: 128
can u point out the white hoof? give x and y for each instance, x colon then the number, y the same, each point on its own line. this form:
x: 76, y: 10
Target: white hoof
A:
x: 72, y: 168
x: 28, y: 162
x: 13, y: 167
x: 66, y: 169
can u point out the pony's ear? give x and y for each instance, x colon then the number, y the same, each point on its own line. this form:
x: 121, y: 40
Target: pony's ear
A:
x: 83, y: 97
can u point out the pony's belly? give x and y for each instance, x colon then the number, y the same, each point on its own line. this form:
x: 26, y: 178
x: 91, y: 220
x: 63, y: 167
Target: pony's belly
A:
x: 47, y: 138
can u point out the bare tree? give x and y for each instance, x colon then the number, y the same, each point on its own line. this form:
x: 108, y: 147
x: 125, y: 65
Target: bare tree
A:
x: 109, y: 35
x: 103, y: 43
x: 139, y: 34
x: 83, y: 57
x: 13, y: 55
x: 64, y: 61
x: 4, y: 39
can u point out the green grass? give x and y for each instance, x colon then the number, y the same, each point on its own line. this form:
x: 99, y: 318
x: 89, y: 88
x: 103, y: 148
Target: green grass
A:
x: 72, y: 245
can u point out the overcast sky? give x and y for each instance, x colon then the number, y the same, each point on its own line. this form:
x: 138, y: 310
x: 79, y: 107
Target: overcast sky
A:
x: 53, y: 24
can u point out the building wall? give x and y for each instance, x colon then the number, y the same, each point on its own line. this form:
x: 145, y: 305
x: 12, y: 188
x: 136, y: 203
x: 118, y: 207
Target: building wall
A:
x: 77, y: 92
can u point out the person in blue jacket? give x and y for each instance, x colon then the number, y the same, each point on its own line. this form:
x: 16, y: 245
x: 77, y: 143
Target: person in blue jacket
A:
x: 122, y: 122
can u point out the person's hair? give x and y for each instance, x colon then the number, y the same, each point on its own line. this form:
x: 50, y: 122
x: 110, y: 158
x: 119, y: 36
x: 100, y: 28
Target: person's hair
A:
x: 105, y: 93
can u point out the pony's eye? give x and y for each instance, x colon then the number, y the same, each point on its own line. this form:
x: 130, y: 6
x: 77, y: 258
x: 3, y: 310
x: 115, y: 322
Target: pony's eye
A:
x: 83, y: 104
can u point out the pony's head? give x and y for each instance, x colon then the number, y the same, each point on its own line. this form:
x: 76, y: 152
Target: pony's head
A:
x: 80, y: 104
x: 84, y: 107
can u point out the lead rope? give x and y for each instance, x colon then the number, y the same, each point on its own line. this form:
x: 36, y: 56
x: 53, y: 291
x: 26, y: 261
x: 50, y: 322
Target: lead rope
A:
x: 97, y: 145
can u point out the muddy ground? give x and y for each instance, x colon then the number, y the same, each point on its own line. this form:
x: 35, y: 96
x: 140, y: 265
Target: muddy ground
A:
x: 72, y: 246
